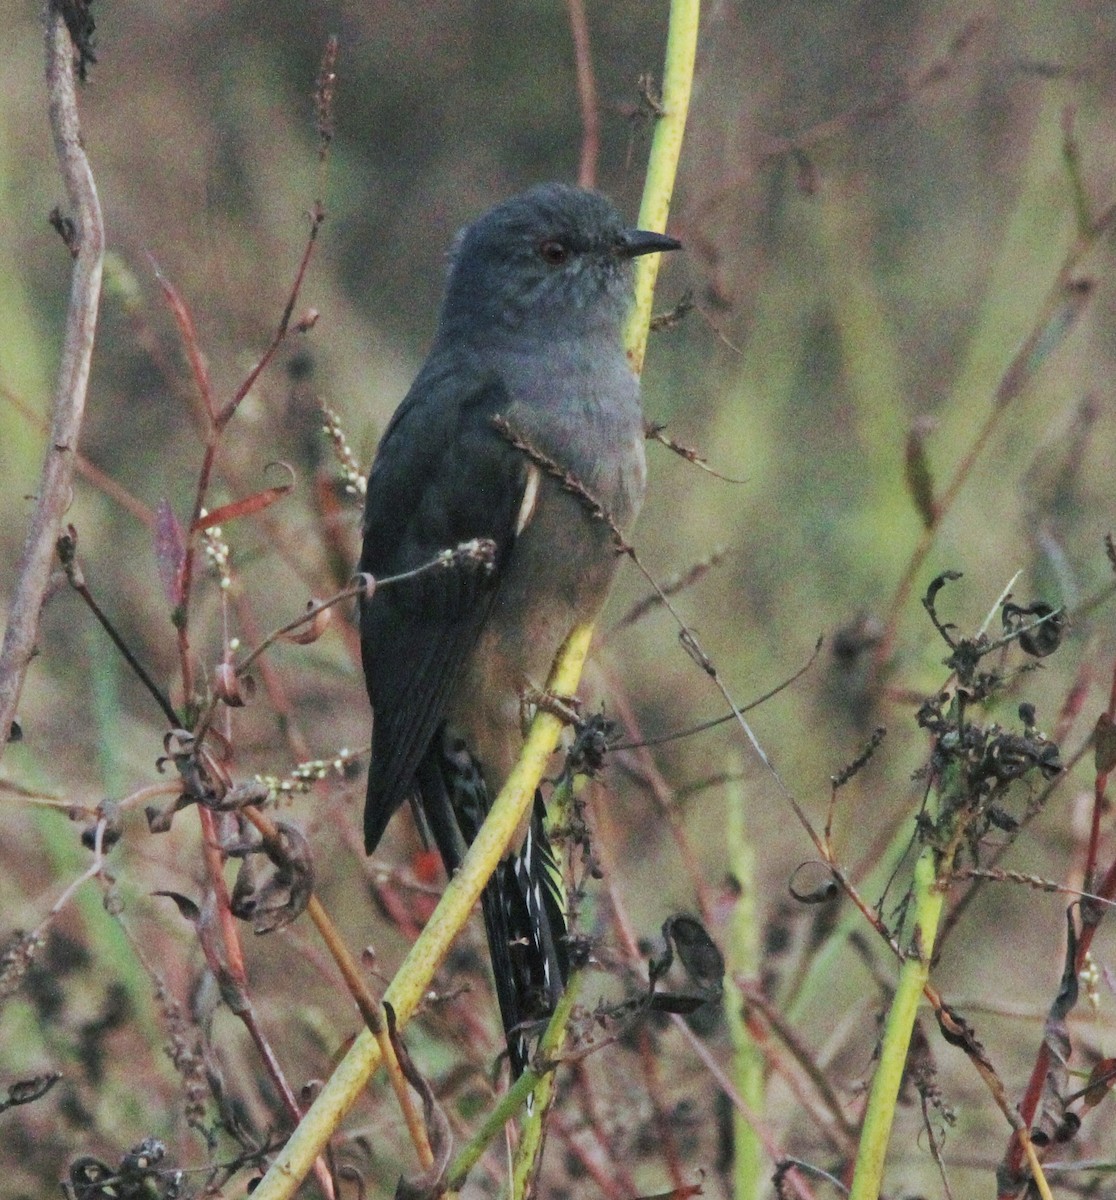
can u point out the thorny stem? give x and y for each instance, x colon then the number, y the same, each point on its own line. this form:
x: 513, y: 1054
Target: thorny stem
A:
x: 68, y: 407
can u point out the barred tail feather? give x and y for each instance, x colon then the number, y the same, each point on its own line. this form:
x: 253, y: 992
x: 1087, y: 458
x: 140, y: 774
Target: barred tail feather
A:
x: 523, y: 902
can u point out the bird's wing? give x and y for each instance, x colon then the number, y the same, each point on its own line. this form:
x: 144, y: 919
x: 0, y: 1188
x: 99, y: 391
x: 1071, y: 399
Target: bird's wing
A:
x: 443, y: 476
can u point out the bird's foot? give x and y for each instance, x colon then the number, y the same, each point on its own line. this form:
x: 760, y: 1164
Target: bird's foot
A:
x: 534, y: 699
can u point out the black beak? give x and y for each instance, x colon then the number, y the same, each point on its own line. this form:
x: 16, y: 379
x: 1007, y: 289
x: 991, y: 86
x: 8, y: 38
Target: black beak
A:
x: 634, y: 242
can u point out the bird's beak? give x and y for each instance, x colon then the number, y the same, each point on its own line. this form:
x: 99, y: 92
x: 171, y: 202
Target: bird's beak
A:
x: 634, y: 242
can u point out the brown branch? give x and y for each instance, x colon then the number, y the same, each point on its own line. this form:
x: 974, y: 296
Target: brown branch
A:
x: 586, y: 95
x: 87, y: 244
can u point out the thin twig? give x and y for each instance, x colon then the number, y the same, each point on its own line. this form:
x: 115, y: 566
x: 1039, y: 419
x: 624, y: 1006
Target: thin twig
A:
x: 87, y: 244
x: 67, y: 552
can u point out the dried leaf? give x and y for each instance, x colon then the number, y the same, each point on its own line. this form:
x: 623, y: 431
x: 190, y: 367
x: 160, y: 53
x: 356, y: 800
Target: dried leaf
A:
x: 825, y: 890
x: 701, y: 960
x: 1104, y: 744
x: 1038, y: 626
x: 325, y: 90
x: 170, y: 552
x: 272, y: 901
x: 249, y: 505
x: 189, y: 334
x: 1101, y: 1080
x: 187, y: 908
x: 226, y: 685
x: 920, y: 479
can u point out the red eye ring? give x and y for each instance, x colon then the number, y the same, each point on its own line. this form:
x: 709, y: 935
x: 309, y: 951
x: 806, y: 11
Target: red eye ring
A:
x: 553, y: 252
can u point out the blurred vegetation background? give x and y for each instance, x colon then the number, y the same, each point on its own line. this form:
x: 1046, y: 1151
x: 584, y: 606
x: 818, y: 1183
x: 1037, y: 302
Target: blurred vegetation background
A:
x: 876, y: 201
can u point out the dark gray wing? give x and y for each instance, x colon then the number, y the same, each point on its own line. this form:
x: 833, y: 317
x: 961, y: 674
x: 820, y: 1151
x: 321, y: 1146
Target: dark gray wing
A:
x: 442, y: 476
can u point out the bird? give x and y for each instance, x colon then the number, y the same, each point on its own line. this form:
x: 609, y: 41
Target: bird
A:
x: 514, y: 461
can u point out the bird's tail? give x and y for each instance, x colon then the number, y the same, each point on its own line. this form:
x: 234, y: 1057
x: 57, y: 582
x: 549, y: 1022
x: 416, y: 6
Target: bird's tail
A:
x: 531, y: 923
x: 524, y: 903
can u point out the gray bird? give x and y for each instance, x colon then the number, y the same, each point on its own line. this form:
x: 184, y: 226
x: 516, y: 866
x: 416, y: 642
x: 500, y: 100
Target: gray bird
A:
x: 527, y: 380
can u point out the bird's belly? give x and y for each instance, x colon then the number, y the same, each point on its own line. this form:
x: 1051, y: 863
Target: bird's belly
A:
x: 558, y: 576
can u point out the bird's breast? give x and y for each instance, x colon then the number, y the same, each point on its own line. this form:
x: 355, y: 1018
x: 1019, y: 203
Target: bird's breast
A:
x: 582, y: 430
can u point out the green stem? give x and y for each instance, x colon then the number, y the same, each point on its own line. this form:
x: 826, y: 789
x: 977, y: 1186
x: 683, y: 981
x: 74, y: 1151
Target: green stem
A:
x: 662, y: 166
x: 511, y: 1105
x: 876, y: 1132
x: 529, y: 1151
x: 742, y: 961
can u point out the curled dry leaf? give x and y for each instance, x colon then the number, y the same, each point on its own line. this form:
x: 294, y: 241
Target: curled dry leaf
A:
x: 240, y: 796
x: 271, y: 900
x: 367, y: 584
x: 702, y: 964
x: 821, y: 893
x: 187, y: 908
x: 317, y: 621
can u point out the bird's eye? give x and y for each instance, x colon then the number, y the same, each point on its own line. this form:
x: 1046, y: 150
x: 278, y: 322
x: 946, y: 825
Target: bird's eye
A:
x: 553, y: 253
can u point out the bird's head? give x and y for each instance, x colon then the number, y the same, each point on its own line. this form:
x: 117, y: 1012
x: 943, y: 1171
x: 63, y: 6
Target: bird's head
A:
x: 556, y: 259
